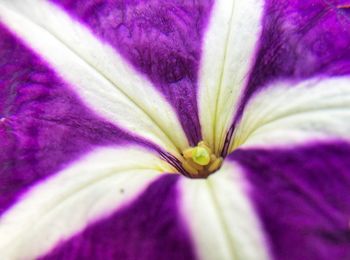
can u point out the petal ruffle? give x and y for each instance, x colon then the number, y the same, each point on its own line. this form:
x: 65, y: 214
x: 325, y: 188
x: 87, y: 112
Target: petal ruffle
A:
x: 302, y: 196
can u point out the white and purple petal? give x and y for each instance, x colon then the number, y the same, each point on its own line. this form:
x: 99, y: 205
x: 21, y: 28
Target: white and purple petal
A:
x: 91, y: 91
x: 161, y: 39
x: 99, y: 75
x: 147, y: 228
x: 302, y: 195
x: 44, y: 126
x: 301, y: 40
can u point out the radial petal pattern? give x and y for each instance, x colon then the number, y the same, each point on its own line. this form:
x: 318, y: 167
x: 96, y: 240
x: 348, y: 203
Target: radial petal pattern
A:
x: 55, y: 209
x: 300, y: 40
x: 287, y: 113
x: 95, y: 94
x: 229, y: 47
x: 44, y: 126
x: 122, y: 235
x: 221, y: 217
x: 109, y: 85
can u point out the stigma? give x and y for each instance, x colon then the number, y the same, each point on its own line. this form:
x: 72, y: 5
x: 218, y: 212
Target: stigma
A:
x: 200, y: 161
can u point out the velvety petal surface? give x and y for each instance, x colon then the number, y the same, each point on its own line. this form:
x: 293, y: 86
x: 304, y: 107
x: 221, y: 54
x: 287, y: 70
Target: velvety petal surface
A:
x: 112, y: 70
x: 150, y: 227
x: 301, y: 40
x: 302, y: 196
x: 57, y: 208
x: 62, y: 166
x: 99, y: 74
x: 43, y: 126
x: 161, y: 40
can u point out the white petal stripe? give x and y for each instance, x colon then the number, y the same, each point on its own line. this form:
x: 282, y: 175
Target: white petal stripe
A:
x: 221, y: 218
x: 229, y: 50
x: 288, y: 113
x: 97, y: 73
x: 91, y: 188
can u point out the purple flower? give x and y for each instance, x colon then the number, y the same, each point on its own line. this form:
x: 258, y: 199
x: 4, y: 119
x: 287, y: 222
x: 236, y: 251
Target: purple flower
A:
x: 178, y: 129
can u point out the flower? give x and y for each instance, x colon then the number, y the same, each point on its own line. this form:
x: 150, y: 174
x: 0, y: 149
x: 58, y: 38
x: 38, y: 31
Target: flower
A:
x: 174, y: 129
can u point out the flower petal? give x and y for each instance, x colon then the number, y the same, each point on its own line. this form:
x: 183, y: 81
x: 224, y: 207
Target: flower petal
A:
x: 161, y: 39
x: 301, y: 40
x: 149, y: 227
x: 90, y: 189
x: 98, y: 74
x: 302, y: 196
x: 221, y: 218
x: 43, y: 125
x: 229, y: 46
x: 290, y: 113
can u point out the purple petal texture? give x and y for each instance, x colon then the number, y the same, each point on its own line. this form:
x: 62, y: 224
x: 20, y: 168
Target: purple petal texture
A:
x: 43, y: 125
x: 148, y: 228
x: 301, y: 39
x: 302, y: 196
x: 161, y: 39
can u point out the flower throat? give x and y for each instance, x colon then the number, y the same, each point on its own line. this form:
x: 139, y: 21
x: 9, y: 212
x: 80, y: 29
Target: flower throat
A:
x: 200, y: 161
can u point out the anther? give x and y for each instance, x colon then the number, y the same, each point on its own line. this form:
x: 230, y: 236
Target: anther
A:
x: 215, y: 165
x: 188, y: 168
x: 199, y: 161
x: 201, y: 156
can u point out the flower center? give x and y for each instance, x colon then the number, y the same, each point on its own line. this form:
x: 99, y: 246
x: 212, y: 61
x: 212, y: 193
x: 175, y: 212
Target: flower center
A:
x: 200, y: 161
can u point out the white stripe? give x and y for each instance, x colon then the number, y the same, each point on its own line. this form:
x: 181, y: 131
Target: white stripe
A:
x: 220, y: 217
x: 228, y: 54
x: 286, y: 113
x: 97, y: 73
x: 90, y: 189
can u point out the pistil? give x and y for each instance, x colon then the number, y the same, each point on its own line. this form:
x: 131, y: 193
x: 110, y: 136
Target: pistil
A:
x: 200, y: 161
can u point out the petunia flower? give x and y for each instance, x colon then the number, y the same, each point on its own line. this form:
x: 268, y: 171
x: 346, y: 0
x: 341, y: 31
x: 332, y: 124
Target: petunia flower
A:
x: 177, y: 129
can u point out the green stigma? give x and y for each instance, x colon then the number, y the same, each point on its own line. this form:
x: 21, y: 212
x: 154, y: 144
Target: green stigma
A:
x: 200, y: 156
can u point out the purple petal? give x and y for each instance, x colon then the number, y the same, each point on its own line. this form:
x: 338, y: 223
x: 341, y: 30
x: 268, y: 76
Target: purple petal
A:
x: 161, y: 39
x: 148, y: 228
x: 44, y: 126
x: 302, y: 39
x: 302, y: 196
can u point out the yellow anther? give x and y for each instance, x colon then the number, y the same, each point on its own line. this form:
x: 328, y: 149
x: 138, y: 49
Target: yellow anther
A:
x: 194, y: 165
x: 189, y: 168
x: 200, y: 156
x: 205, y: 146
x: 188, y: 153
x: 213, y: 158
x: 200, y: 161
x: 215, y: 165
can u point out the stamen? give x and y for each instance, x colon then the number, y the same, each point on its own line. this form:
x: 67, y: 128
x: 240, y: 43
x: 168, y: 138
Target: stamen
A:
x: 189, y: 168
x: 215, y: 165
x: 200, y: 161
x: 188, y: 153
x: 200, y: 156
x: 194, y: 165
